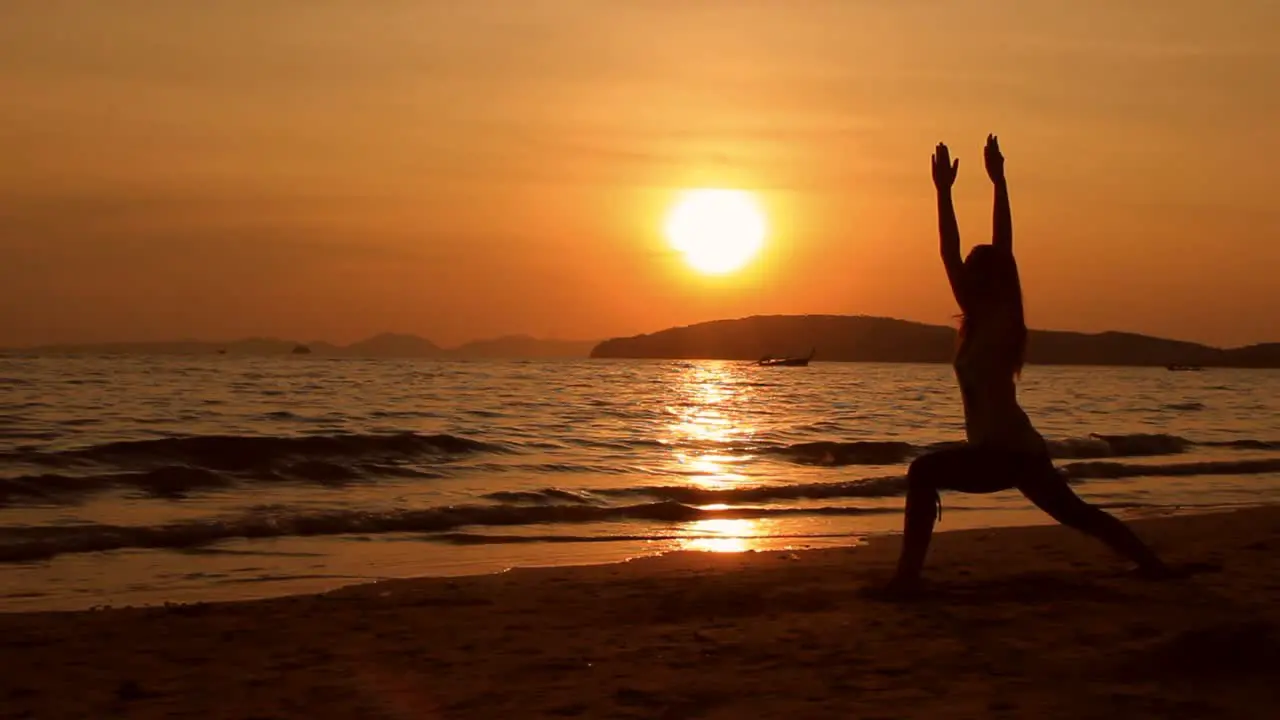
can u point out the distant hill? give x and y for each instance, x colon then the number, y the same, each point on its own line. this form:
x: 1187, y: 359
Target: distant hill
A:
x: 1265, y: 355
x: 385, y: 345
x: 392, y: 345
x: 524, y: 347
x: 248, y: 346
x: 859, y: 338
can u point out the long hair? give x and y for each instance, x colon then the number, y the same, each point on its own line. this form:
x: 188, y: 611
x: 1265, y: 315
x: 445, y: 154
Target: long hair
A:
x: 992, y: 289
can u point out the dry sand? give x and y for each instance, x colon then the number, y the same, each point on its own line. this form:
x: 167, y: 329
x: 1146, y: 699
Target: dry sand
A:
x: 1021, y: 623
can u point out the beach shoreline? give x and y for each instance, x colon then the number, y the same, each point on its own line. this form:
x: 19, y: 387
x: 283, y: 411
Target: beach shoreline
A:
x: 1020, y: 622
x: 310, y: 566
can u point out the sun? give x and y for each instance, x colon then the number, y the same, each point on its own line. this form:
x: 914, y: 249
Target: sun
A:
x: 718, y: 231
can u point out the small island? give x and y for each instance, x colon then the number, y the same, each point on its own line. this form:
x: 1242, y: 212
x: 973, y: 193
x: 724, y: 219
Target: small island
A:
x: 860, y: 338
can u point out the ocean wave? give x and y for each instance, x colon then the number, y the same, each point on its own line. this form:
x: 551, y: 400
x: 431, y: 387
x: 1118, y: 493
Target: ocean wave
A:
x: 847, y: 453
x: 549, y: 496
x: 877, y: 487
x: 1135, y: 445
x: 1244, y: 444
x: 247, y: 452
x: 171, y: 482
x: 179, y: 481
x: 29, y: 544
x: 888, y: 486
x: 240, y: 453
x: 833, y: 453
x: 1116, y: 471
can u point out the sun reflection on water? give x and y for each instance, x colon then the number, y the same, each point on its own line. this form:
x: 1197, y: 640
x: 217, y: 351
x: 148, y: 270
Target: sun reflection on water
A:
x: 708, y: 425
x: 724, y: 535
x: 709, y: 430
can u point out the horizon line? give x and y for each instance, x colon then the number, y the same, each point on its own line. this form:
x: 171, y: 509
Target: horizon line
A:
x: 526, y: 336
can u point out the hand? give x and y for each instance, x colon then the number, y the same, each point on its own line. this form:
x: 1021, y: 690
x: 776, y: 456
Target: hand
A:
x: 944, y: 170
x: 995, y: 161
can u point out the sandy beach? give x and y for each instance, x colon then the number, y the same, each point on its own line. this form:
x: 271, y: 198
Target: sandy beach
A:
x: 1024, y: 622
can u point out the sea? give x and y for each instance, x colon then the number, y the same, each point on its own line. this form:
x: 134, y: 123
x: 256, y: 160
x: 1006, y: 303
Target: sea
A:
x: 132, y: 480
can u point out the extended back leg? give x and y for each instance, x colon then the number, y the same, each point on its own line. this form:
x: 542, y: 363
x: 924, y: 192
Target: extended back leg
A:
x: 1055, y: 497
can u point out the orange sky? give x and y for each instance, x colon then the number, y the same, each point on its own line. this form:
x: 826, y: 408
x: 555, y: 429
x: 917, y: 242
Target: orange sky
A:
x: 331, y: 169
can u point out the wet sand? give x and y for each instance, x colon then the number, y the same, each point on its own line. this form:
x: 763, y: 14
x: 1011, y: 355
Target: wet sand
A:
x: 1023, y: 622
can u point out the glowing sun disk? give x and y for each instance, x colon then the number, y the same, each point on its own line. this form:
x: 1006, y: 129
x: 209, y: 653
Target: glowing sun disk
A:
x: 718, y: 231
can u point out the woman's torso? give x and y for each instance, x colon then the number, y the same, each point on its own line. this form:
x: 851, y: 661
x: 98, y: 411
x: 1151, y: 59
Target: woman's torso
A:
x: 992, y: 415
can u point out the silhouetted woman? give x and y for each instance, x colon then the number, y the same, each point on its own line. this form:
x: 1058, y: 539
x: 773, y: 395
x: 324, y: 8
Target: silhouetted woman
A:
x: 1003, y: 450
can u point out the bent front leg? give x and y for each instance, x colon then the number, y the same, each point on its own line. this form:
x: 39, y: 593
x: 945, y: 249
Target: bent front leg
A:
x: 922, y: 509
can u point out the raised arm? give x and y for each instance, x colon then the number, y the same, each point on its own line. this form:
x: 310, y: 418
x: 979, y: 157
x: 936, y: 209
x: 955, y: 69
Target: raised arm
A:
x: 1001, y: 218
x: 944, y: 176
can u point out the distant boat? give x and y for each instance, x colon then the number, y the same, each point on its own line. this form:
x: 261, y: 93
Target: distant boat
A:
x: 1184, y: 368
x: 768, y: 361
x: 301, y: 350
